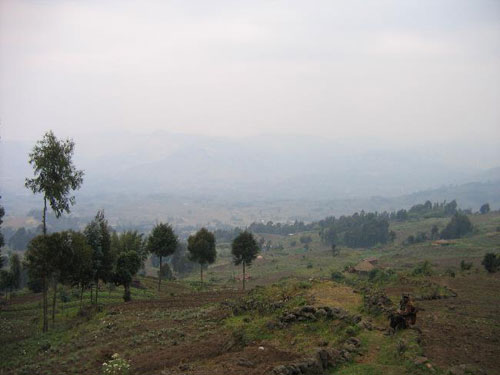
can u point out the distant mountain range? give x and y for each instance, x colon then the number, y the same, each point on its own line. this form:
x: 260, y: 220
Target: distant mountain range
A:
x: 254, y: 169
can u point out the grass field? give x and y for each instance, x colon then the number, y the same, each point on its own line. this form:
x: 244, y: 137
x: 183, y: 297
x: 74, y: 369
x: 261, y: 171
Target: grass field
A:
x: 218, y: 329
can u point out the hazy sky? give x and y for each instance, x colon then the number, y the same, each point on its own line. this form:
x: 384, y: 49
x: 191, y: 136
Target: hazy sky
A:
x: 392, y: 69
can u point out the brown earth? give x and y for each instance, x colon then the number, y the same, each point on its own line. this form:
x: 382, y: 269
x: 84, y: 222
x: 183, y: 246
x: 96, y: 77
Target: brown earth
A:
x: 464, y: 329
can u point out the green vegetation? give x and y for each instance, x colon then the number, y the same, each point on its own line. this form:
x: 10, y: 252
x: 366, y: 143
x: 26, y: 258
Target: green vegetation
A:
x: 485, y: 208
x: 244, y: 250
x: 201, y: 247
x: 127, y: 265
x: 491, y: 262
x: 97, y: 233
x: 162, y: 242
x: 301, y: 309
x: 459, y: 226
x: 55, y: 174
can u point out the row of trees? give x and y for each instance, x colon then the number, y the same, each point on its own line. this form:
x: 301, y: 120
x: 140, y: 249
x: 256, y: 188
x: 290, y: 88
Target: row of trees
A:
x: 201, y: 248
x: 358, y: 230
x: 96, y: 255
x: 83, y: 260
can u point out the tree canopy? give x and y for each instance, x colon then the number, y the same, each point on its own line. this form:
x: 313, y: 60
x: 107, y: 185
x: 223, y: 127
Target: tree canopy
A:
x: 128, y: 264
x: 244, y: 250
x: 201, y: 247
x: 55, y: 174
x: 98, y: 237
x: 485, y: 208
x: 491, y: 262
x: 162, y: 242
x: 458, y: 226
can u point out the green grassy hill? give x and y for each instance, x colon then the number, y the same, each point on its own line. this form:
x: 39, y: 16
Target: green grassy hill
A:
x: 294, y: 317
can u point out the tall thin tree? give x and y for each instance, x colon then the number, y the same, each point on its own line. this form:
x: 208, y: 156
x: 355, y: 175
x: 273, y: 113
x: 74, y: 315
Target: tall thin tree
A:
x: 162, y: 242
x: 98, y: 237
x: 244, y: 249
x: 55, y: 175
x: 201, y: 247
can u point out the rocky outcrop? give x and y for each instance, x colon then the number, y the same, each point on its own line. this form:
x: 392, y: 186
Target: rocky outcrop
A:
x: 311, y: 314
x: 323, y: 360
x: 378, y: 303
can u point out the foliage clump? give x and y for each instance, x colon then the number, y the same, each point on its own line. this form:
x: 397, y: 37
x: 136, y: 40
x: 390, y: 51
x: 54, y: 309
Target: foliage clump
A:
x: 464, y: 266
x: 201, y: 247
x: 458, y: 226
x: 116, y: 366
x: 55, y: 174
x: 162, y: 242
x: 337, y: 276
x: 423, y: 269
x: 244, y: 249
x: 491, y: 262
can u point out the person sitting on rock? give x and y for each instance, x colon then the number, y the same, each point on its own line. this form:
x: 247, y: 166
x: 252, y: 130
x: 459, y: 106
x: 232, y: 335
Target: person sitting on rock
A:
x: 407, y: 310
x: 405, y: 316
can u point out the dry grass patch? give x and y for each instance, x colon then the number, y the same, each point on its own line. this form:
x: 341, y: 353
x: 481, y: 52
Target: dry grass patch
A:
x: 328, y: 293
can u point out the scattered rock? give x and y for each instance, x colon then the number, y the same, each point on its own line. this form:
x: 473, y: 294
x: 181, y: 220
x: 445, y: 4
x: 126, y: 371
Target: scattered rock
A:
x: 245, y: 363
x: 350, y: 348
x: 321, y: 313
x: 289, y: 318
x: 356, y: 319
x: 354, y: 341
x: 420, y: 360
x: 366, y: 325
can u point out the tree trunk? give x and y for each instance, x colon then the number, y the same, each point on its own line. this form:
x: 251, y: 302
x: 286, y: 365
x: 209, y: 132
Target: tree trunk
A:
x: 126, y: 294
x: 91, y: 294
x: 243, y: 275
x: 159, y: 276
x: 45, y: 324
x: 54, y: 298
x: 96, y: 290
x: 44, y: 215
x: 201, y: 273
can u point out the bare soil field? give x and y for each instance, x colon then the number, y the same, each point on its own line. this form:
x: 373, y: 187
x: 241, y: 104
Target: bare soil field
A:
x: 464, y: 329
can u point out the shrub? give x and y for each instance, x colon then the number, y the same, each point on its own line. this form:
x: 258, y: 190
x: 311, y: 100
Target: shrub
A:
x: 423, y: 269
x: 464, y: 266
x: 378, y: 275
x: 337, y: 276
x: 410, y: 240
x: 166, y: 272
x: 335, y: 250
x: 116, y: 366
x: 458, y: 226
x: 491, y: 262
x: 305, y: 239
x: 485, y: 208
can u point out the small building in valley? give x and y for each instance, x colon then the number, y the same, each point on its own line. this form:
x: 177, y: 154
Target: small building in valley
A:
x: 371, y: 260
x: 363, y: 267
